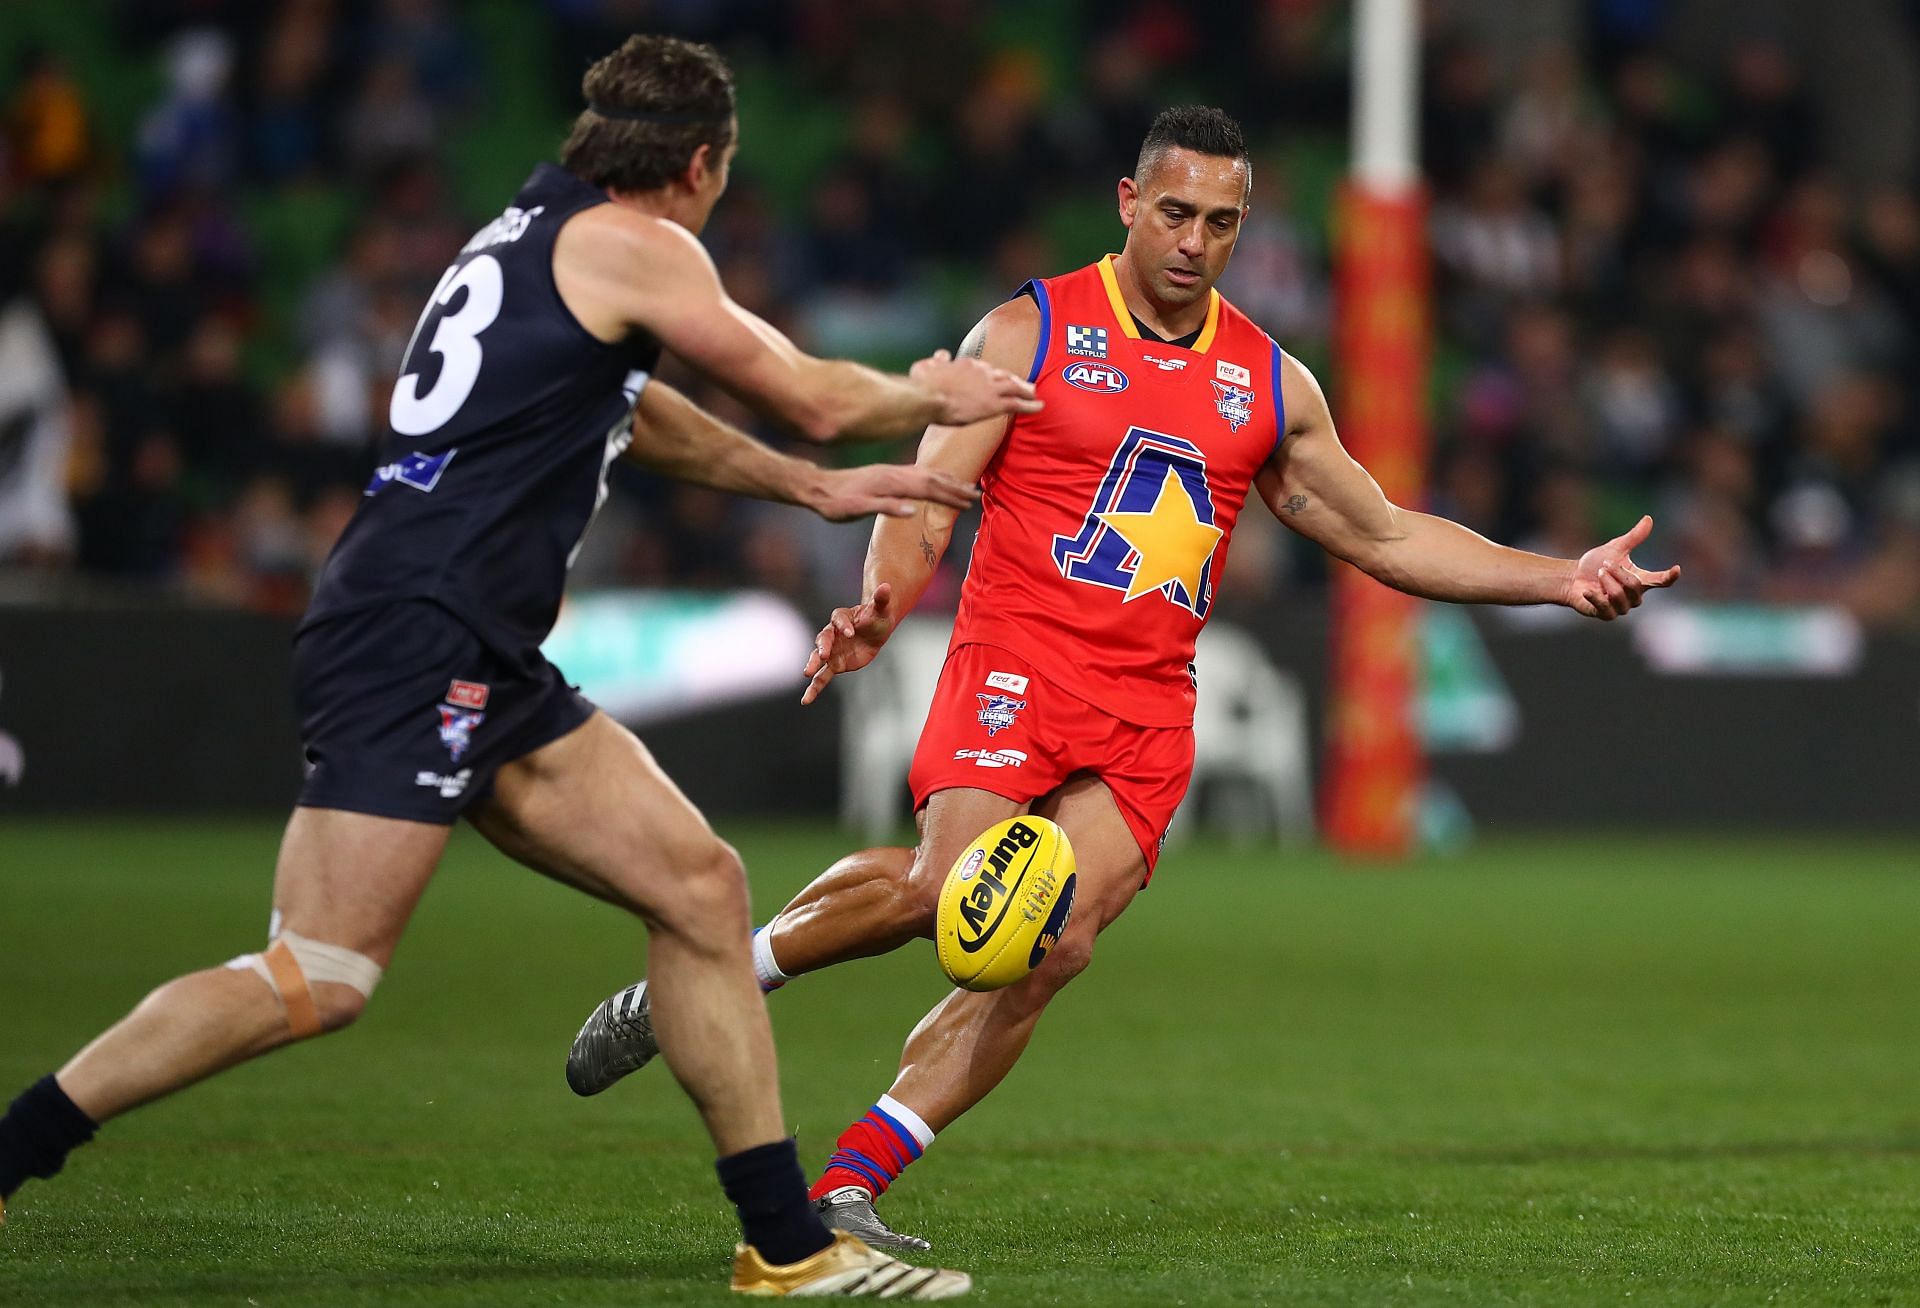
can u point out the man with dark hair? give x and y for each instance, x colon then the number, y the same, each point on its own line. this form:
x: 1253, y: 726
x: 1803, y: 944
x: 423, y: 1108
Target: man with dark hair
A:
x: 1067, y: 689
x: 418, y: 672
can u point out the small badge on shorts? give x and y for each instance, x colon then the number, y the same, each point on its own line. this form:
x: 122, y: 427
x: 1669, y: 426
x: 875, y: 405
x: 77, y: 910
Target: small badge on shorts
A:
x: 1011, y: 682
x: 456, y: 729
x: 997, y: 711
x: 468, y: 694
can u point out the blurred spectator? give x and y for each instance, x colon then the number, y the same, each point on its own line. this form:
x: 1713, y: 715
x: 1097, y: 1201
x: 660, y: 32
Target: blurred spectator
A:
x: 35, y: 525
x: 47, y: 135
x: 191, y: 137
x: 389, y: 121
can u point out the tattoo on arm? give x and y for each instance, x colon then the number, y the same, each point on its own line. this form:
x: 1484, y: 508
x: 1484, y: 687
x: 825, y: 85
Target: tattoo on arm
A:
x: 975, y: 344
x: 927, y: 551
x: 1295, y: 503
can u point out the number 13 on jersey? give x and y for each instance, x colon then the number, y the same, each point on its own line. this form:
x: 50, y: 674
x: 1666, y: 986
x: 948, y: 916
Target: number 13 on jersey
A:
x: 456, y: 340
x: 1151, y: 527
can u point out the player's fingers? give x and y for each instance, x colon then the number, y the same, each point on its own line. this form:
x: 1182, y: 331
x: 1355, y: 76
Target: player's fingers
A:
x: 939, y: 488
x: 1658, y: 580
x: 882, y: 599
x: 815, y: 686
x: 1638, y: 532
x: 1616, y: 593
x: 1013, y: 384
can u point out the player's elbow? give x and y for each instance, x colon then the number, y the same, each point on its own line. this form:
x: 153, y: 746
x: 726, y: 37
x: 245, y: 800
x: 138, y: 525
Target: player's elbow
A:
x: 817, y: 420
x: 819, y: 412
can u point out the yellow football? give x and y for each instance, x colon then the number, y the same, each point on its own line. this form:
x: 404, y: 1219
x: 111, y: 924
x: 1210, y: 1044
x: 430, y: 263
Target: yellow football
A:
x: 1005, y: 903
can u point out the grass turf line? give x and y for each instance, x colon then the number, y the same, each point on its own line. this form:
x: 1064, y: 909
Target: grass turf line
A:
x: 1600, y: 1070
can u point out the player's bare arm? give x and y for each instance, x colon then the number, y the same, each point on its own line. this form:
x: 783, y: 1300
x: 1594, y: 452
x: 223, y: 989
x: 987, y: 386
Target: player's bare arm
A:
x: 619, y: 270
x: 1315, y: 487
x: 675, y: 437
x: 905, y: 551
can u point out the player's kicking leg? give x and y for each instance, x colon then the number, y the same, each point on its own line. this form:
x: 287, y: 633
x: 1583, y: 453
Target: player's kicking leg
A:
x: 593, y: 809
x: 344, y: 887
x: 878, y: 899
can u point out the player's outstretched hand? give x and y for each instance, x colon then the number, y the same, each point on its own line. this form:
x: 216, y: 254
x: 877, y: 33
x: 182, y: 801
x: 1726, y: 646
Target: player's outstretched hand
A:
x: 895, y: 489
x: 1606, y: 584
x: 970, y: 390
x: 849, y: 641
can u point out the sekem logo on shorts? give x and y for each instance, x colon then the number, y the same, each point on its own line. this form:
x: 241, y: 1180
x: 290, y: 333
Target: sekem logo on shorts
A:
x: 992, y: 758
x: 449, y: 785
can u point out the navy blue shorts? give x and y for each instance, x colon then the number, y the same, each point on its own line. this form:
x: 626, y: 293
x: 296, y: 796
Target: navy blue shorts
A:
x: 404, y: 713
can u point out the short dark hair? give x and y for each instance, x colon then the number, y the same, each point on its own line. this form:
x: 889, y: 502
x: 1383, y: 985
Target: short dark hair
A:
x: 685, y: 85
x: 1197, y: 127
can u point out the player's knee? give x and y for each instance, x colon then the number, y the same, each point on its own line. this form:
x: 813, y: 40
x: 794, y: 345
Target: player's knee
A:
x: 337, y: 1006
x: 1068, y: 960
x: 709, y: 896
x: 320, y: 987
x: 918, y: 894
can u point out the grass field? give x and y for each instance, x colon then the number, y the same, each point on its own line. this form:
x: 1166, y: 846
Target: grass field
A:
x: 1605, y: 1070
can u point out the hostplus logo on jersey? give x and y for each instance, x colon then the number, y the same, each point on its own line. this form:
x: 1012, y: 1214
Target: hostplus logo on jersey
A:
x: 1087, y: 342
x: 997, y: 712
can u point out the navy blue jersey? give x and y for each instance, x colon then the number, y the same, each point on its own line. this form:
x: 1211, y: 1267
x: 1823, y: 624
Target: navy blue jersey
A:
x: 503, y: 424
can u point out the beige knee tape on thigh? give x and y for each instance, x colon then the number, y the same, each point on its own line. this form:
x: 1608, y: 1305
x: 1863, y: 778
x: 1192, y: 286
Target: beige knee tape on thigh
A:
x: 292, y: 963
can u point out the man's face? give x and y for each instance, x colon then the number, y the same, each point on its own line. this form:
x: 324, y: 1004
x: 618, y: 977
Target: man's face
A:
x: 1182, y: 218
x: 709, y: 178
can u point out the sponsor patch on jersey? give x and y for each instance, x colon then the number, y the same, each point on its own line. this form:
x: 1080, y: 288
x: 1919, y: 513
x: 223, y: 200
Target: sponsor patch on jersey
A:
x: 992, y: 758
x: 1088, y: 342
x: 449, y: 785
x: 1235, y: 404
x: 468, y: 694
x: 1232, y: 373
x: 420, y: 471
x: 1101, y: 377
x: 997, y: 712
x: 1011, y: 682
x: 1165, y: 365
x: 457, y: 728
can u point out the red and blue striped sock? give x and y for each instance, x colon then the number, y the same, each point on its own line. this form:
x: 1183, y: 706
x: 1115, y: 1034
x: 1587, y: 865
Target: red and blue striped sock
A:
x: 875, y: 1149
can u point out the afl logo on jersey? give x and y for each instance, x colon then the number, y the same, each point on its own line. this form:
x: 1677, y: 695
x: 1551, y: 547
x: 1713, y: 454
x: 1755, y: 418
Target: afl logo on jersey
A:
x: 1095, y: 377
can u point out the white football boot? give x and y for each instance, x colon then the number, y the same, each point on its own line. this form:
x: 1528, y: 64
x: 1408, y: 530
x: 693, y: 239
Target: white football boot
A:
x: 845, y: 1269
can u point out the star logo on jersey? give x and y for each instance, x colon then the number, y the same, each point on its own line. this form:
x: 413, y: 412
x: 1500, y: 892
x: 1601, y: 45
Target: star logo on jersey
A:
x: 1235, y: 404
x: 1171, y: 544
x: 997, y: 712
x: 456, y: 729
x: 1088, y: 342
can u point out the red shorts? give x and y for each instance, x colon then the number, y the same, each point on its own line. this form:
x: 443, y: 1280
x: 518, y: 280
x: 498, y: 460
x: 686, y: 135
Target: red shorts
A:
x: 997, y: 724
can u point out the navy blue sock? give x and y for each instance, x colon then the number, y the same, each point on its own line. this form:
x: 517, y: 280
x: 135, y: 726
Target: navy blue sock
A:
x: 769, y: 1191
x: 40, y: 1129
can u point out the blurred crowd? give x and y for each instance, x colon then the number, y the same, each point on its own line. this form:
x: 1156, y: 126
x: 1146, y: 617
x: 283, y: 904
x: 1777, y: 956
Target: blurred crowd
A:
x: 1659, y: 286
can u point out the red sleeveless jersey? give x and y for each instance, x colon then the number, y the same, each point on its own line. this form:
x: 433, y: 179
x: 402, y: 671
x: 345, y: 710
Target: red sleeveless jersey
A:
x: 1105, y: 516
